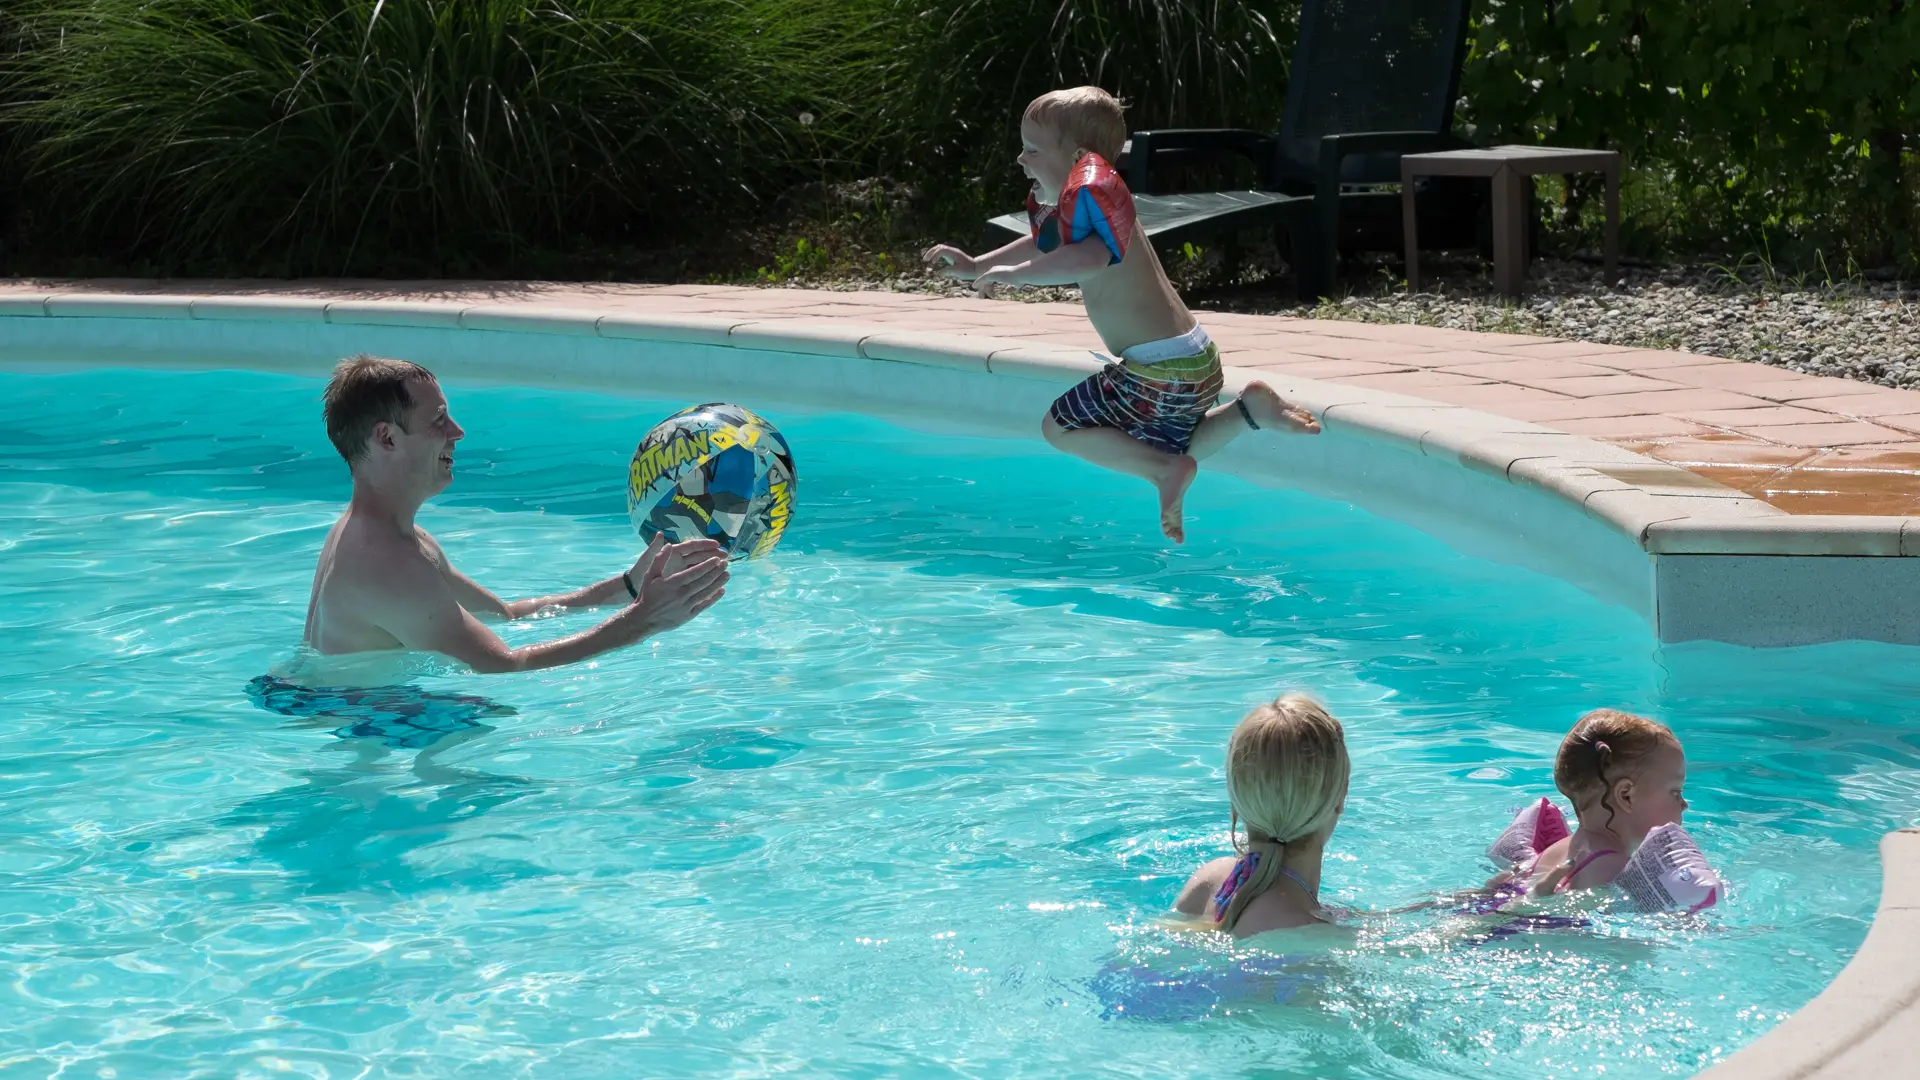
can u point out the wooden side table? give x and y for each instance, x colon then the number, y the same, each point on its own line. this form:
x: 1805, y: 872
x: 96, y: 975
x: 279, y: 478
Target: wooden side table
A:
x: 1511, y: 168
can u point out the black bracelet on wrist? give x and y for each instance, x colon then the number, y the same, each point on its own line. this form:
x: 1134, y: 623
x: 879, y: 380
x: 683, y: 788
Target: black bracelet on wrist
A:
x: 626, y: 578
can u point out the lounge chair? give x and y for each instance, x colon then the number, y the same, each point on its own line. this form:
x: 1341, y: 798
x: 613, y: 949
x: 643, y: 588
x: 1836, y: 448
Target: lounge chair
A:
x: 1371, y: 80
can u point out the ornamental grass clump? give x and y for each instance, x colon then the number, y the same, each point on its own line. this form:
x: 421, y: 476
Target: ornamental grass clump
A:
x: 1175, y: 63
x: 318, y: 136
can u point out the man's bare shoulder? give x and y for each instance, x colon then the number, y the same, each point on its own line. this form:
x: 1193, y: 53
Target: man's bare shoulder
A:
x: 430, y: 547
x: 369, y: 579
x: 374, y: 560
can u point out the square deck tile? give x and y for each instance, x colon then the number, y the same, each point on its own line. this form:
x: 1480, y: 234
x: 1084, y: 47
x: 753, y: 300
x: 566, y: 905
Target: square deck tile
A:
x: 1628, y: 427
x: 1840, y: 502
x: 1551, y: 412
x: 1730, y: 376
x: 1903, y: 457
x: 1507, y: 369
x: 1671, y: 401
x: 1728, y: 452
x: 1644, y: 361
x: 1751, y: 479
x: 1489, y: 396
x: 1739, y: 419
x: 1872, y: 404
x: 1865, y: 492
x: 1311, y: 367
x: 1586, y: 386
x: 1806, y: 391
x: 1839, y: 433
x: 1412, y: 382
x: 1336, y: 348
x: 1432, y: 337
x: 1554, y: 349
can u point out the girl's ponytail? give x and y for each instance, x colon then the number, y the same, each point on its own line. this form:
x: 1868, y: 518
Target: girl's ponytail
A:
x: 1287, y: 772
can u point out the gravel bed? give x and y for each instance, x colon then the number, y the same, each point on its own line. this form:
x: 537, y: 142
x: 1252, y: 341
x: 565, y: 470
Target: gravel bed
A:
x: 1864, y: 330
x: 1856, y: 329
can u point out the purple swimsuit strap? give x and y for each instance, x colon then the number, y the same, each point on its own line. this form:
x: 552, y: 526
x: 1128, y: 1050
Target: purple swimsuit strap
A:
x: 1567, y: 882
x: 1243, y: 869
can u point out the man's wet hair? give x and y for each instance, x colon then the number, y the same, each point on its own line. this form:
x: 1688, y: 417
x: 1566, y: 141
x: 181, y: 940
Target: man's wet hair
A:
x: 364, y: 391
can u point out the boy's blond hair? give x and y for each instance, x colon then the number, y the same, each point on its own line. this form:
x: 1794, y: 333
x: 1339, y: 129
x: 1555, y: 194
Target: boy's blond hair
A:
x: 1287, y: 772
x: 1086, y: 116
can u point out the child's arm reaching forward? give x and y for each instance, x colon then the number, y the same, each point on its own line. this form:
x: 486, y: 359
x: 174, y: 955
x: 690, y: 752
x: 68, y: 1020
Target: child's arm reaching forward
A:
x: 950, y: 261
x: 1021, y: 263
x: 1068, y: 264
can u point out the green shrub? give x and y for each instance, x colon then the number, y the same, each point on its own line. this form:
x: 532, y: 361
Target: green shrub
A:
x: 443, y: 136
x: 1789, y: 126
x: 1785, y: 127
x: 334, y: 135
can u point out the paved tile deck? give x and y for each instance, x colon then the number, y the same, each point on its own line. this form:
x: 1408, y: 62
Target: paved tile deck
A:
x: 1806, y: 444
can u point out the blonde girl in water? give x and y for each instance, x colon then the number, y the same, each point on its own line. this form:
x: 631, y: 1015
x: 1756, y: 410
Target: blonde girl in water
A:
x: 1287, y: 774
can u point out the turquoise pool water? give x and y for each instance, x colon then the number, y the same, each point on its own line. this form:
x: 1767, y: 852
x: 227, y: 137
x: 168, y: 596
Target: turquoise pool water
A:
x: 909, y: 802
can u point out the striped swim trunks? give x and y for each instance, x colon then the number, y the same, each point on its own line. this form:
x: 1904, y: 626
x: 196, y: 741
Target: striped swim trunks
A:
x: 1158, y: 392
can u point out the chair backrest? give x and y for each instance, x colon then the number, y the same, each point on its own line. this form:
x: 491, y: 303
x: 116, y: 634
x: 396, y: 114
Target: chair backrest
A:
x: 1370, y: 65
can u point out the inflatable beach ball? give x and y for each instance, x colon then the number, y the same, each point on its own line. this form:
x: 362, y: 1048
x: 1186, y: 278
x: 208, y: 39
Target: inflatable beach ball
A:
x: 715, y: 471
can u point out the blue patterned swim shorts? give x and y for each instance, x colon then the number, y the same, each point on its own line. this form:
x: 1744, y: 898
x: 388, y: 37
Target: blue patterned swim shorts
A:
x: 403, y: 717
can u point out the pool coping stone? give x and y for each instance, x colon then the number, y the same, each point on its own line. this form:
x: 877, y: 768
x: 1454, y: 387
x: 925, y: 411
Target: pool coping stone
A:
x: 934, y: 349
x: 1868, y: 1018
x: 505, y: 318
x: 255, y: 308
x: 95, y: 305
x: 688, y: 329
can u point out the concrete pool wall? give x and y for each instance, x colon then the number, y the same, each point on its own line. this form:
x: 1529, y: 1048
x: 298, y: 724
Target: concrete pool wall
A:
x: 1696, y: 559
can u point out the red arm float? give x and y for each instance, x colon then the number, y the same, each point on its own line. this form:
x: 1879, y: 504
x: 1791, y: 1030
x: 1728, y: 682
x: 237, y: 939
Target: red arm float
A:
x: 1094, y: 203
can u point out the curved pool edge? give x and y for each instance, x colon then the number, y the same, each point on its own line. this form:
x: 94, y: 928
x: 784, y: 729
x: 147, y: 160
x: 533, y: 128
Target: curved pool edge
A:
x: 1866, y: 1024
x: 1696, y: 559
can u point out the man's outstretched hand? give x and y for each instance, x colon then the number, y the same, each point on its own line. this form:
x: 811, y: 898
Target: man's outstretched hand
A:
x: 687, y: 552
x: 675, y: 582
x: 638, y: 573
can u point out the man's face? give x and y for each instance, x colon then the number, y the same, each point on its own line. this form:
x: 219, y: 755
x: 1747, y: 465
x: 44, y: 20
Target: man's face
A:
x: 425, y: 449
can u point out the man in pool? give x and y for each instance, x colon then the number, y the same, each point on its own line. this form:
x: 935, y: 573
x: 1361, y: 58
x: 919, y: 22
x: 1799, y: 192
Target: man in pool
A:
x: 383, y: 584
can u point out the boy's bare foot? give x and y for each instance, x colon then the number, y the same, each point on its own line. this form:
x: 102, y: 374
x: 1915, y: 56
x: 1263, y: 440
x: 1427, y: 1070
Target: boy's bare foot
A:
x: 1270, y: 410
x: 1173, y: 485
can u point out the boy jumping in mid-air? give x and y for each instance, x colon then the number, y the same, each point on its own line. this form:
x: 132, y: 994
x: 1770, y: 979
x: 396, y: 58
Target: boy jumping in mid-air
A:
x: 1155, y: 412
